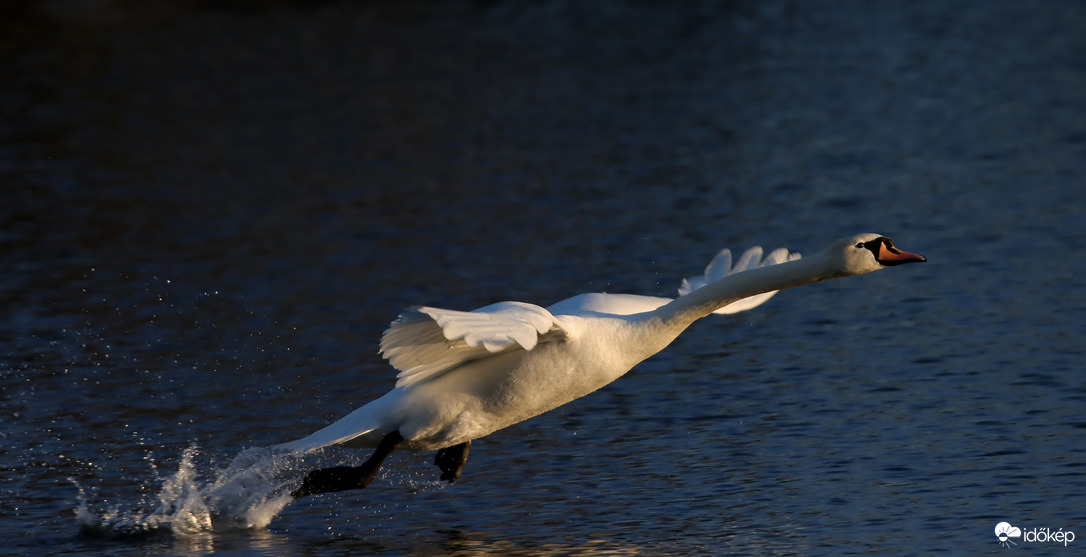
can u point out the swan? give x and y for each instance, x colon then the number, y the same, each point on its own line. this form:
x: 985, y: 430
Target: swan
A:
x: 465, y: 374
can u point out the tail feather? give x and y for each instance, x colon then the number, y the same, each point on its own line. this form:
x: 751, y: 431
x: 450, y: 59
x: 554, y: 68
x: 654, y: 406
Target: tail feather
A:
x: 362, y: 428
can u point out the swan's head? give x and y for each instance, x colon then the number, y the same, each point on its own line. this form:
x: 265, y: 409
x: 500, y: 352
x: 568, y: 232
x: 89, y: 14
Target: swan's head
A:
x: 864, y: 253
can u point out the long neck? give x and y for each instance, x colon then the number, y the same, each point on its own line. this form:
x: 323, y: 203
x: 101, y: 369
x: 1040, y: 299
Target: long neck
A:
x: 683, y: 311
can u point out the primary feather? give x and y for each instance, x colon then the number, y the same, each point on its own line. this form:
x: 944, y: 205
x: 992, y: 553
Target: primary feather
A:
x: 721, y: 267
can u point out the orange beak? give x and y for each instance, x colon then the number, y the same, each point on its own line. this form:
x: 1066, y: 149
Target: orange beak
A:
x: 890, y: 256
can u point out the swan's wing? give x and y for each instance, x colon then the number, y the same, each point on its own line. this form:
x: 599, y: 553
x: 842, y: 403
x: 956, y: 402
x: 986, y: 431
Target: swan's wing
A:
x: 721, y: 267
x: 425, y: 341
x: 609, y: 304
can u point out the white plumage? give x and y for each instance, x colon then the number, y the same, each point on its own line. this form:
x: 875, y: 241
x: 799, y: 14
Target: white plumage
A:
x: 427, y: 341
x: 721, y: 267
x: 465, y: 374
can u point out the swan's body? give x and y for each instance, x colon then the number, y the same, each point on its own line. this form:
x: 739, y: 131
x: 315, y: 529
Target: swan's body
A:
x: 464, y: 375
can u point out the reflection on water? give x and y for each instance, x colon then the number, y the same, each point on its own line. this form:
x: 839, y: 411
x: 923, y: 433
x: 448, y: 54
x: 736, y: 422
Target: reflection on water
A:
x: 211, y: 213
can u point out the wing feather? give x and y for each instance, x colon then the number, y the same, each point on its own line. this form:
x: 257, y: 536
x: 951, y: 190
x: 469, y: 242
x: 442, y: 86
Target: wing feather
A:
x: 721, y: 266
x: 425, y: 341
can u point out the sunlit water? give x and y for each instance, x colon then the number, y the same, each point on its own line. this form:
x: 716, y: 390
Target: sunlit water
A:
x: 210, y: 216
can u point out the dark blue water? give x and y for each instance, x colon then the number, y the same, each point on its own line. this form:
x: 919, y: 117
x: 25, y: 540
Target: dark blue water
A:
x: 210, y: 213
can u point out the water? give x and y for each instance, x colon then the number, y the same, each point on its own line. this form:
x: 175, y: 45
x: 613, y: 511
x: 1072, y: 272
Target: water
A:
x: 210, y: 216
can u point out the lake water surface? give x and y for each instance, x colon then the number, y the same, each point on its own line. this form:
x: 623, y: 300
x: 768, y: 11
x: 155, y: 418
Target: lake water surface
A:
x: 210, y: 215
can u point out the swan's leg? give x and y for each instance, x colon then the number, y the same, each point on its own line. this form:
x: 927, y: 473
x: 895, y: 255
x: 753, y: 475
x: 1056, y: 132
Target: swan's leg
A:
x: 339, y: 478
x: 451, y: 460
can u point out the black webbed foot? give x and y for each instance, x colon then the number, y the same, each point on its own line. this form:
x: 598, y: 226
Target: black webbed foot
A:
x: 451, y: 461
x: 327, y: 480
x: 340, y: 478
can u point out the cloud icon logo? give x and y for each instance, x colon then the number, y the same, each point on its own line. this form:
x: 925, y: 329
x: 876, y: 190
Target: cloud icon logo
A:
x: 1004, y: 531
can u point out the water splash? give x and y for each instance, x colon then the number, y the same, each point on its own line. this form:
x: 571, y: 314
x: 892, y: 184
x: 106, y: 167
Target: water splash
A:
x: 247, y: 494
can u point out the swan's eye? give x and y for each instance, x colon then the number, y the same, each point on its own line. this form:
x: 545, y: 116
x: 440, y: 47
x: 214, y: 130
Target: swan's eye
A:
x: 860, y: 245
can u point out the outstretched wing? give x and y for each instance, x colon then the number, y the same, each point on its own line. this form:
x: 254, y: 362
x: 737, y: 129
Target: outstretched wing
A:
x: 721, y: 266
x: 425, y: 342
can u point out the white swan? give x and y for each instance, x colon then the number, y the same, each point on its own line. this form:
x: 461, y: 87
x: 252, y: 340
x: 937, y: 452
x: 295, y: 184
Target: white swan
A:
x: 464, y: 375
